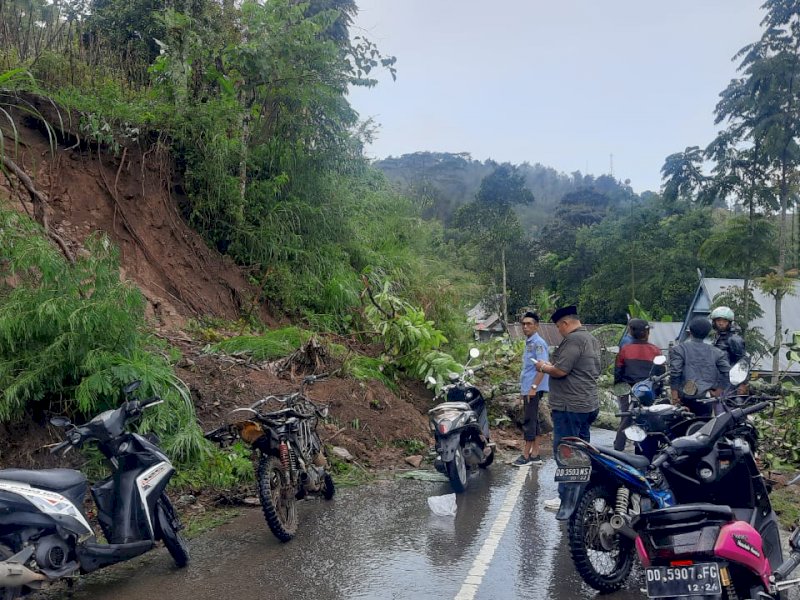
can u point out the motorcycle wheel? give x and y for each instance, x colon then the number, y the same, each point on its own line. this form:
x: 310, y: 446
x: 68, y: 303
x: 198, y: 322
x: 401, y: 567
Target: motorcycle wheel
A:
x: 8, y: 593
x: 277, y: 498
x: 328, y: 489
x: 457, y: 472
x: 603, y: 560
x: 170, y: 527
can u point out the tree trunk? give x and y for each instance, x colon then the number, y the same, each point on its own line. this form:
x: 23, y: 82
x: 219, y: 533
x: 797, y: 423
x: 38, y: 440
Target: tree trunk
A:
x: 505, y: 297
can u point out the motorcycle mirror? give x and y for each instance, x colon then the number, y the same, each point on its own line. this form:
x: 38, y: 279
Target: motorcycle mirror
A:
x: 660, y: 360
x: 739, y: 372
x: 474, y: 352
x: 60, y: 421
x: 131, y: 387
x: 635, y: 433
x: 621, y: 389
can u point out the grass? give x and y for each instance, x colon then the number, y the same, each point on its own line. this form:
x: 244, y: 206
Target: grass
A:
x: 198, y: 523
x: 411, y: 446
x: 786, y: 506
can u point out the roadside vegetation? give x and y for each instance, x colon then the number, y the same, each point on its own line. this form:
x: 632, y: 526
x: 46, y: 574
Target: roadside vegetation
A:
x: 242, y: 108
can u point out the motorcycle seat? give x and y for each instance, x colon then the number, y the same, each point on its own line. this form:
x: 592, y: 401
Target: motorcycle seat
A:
x: 67, y: 482
x: 450, y: 406
x: 635, y: 460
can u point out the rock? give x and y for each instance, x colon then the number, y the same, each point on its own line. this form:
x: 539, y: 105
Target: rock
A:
x: 342, y: 453
x: 415, y: 461
x: 252, y: 501
x: 186, y: 500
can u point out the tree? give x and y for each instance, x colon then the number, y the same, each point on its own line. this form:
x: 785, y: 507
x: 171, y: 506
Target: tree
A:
x: 762, y: 113
x: 491, y: 217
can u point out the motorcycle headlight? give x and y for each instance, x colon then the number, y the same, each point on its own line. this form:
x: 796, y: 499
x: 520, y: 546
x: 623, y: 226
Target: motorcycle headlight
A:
x: 469, y: 395
x: 444, y: 426
x: 635, y: 433
x: 570, y: 456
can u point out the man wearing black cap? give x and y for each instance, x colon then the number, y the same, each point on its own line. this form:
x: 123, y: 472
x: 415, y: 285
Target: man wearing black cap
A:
x: 573, y: 373
x: 634, y: 363
x: 696, y: 368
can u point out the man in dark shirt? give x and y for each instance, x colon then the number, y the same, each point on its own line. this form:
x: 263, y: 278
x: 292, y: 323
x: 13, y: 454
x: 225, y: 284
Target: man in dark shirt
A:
x: 573, y: 373
x: 696, y: 368
x: 727, y: 340
x: 634, y: 363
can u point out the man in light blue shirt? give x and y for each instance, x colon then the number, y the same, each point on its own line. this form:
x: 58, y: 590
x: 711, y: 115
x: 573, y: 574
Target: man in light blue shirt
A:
x: 533, y: 385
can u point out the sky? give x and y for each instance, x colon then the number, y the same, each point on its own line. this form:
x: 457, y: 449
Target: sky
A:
x: 588, y: 85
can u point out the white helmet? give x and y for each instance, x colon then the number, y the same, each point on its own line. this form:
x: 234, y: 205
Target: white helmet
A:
x: 722, y: 312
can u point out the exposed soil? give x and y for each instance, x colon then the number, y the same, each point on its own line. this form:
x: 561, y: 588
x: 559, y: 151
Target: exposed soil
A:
x: 133, y: 197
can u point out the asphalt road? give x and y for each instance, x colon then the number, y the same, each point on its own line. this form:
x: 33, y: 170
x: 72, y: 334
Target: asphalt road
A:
x: 378, y: 541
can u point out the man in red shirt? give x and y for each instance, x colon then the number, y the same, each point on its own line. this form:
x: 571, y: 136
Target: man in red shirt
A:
x: 634, y: 363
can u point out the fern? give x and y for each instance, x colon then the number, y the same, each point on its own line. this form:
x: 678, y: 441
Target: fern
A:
x: 272, y: 344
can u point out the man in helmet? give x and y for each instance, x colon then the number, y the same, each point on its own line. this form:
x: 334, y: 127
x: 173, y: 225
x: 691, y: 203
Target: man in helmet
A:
x: 696, y: 368
x: 727, y: 339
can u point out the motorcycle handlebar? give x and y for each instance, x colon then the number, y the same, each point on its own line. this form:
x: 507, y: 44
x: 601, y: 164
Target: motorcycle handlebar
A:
x: 150, y: 402
x: 785, y: 569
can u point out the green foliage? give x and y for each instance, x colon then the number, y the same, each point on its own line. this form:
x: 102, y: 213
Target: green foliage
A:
x: 270, y: 345
x: 366, y: 368
x: 410, y: 446
x: 219, y: 469
x: 411, y: 341
x: 72, y: 335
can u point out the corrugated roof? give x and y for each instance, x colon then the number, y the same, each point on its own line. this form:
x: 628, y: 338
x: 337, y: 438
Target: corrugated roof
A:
x: 790, y: 316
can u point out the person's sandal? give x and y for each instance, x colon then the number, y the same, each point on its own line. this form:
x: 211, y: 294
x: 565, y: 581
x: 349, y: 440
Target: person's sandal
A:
x: 521, y: 462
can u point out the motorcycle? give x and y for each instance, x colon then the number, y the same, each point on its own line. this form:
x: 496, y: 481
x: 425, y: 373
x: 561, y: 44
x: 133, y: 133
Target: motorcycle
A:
x: 655, y: 420
x: 724, y: 542
x: 607, y: 490
x: 292, y: 462
x: 44, y: 534
x: 460, y: 427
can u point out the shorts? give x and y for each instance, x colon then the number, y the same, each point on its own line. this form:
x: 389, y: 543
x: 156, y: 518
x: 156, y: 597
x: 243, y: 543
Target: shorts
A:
x: 530, y: 419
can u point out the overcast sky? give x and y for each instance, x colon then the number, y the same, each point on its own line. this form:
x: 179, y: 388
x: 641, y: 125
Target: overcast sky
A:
x: 566, y: 83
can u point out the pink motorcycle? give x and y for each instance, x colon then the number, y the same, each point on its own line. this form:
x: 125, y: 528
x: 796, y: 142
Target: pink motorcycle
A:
x: 724, y: 543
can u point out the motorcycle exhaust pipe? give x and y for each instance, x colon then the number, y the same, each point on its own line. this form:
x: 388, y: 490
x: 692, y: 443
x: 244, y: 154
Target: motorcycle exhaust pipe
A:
x: 16, y: 575
x: 620, y: 525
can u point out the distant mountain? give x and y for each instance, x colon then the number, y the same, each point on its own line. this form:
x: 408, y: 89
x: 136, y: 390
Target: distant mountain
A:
x: 445, y: 181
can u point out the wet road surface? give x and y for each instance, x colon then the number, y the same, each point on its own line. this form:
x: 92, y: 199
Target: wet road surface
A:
x: 378, y: 541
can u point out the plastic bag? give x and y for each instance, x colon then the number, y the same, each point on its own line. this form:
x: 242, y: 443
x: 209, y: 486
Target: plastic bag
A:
x: 444, y: 506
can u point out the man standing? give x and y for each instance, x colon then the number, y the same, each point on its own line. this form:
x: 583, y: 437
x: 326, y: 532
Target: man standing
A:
x: 696, y: 368
x: 573, y: 375
x: 533, y: 385
x: 634, y: 363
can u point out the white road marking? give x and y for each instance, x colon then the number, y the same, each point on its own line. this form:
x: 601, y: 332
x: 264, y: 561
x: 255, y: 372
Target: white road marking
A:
x: 484, y: 558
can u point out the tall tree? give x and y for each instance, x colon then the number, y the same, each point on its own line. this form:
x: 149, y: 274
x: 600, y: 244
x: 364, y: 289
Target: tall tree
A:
x: 491, y: 218
x: 762, y: 113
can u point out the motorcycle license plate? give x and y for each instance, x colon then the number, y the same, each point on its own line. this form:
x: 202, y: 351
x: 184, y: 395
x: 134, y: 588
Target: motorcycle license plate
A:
x: 573, y: 474
x: 701, y: 579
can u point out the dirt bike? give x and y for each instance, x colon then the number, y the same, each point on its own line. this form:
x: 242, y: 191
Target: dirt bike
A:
x: 44, y: 534
x: 292, y: 462
x: 460, y: 428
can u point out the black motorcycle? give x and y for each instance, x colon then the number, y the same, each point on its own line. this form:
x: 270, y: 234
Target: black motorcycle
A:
x: 460, y: 427
x: 44, y: 534
x: 292, y: 462
x: 655, y: 420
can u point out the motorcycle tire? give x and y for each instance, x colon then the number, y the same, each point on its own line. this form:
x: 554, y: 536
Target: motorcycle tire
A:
x: 169, y: 526
x: 328, y: 488
x: 588, y: 549
x: 457, y: 472
x: 277, y: 498
x: 8, y: 593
